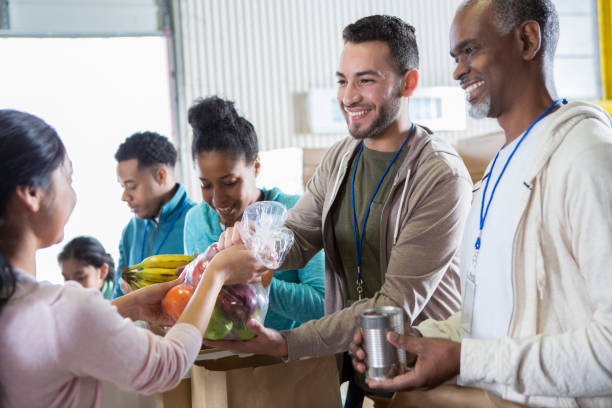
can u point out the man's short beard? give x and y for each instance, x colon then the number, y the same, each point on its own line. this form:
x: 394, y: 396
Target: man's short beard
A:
x: 481, y: 110
x: 388, y: 114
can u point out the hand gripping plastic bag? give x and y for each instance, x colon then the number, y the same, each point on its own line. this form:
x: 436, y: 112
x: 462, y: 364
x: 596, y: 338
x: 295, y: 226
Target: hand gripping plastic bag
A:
x: 235, y: 303
x: 263, y: 233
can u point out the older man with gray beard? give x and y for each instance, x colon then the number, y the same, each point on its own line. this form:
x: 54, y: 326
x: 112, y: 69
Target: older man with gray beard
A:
x: 536, y: 321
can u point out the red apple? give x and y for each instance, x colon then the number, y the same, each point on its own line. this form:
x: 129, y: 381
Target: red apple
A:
x: 195, y: 269
x: 238, y: 302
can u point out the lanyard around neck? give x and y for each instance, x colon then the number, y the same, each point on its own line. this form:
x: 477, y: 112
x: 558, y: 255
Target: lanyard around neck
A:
x: 144, y: 235
x: 359, y: 239
x: 485, y: 211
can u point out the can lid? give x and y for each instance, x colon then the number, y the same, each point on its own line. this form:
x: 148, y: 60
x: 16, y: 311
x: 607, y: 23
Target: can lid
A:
x: 390, y: 310
x: 374, y: 319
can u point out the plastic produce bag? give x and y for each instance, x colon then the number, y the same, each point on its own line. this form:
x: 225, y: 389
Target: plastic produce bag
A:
x: 263, y: 233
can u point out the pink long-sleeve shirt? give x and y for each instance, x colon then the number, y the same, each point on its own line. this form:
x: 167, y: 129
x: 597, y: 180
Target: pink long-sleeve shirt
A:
x: 58, y: 341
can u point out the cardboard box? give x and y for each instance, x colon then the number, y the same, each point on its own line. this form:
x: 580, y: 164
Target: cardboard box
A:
x: 477, y: 152
x: 256, y: 381
x: 180, y: 397
x: 222, y: 379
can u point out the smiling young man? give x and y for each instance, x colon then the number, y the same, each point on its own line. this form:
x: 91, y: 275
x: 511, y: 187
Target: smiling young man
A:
x: 145, y: 168
x: 536, y: 321
x: 408, y: 188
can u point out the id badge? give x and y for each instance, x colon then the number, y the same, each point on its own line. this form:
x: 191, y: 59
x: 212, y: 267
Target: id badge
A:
x: 469, y: 297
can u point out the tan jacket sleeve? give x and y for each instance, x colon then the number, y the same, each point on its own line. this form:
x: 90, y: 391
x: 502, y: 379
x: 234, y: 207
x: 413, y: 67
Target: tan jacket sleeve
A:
x: 423, y: 252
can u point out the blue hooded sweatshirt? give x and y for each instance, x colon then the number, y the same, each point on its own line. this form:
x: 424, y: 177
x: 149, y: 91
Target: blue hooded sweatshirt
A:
x: 145, y: 237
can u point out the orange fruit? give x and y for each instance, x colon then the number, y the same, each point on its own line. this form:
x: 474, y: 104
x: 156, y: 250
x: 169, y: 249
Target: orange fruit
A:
x: 176, y: 300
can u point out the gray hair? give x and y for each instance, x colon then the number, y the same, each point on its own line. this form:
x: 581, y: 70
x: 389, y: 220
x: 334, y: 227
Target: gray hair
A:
x: 511, y: 13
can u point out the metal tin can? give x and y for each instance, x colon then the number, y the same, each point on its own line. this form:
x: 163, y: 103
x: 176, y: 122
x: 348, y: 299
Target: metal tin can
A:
x: 381, y: 356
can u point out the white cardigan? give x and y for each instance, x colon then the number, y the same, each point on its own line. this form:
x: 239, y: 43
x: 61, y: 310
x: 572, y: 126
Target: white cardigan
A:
x: 559, y: 349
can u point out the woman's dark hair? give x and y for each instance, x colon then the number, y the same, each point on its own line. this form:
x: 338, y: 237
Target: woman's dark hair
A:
x: 217, y: 126
x: 30, y: 150
x: 90, y: 251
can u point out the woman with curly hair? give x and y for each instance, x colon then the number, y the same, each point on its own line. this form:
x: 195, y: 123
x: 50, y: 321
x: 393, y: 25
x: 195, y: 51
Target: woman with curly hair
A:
x: 225, y: 150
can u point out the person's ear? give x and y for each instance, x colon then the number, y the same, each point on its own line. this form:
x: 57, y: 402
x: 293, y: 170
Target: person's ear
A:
x: 530, y: 39
x: 161, y: 175
x: 410, y: 80
x: 104, y: 271
x: 30, y: 197
x: 256, y: 166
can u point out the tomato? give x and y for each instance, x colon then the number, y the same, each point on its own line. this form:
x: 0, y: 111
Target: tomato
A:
x: 176, y: 300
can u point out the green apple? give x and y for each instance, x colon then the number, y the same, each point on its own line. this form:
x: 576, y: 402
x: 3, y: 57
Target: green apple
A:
x: 219, y: 325
x: 240, y: 329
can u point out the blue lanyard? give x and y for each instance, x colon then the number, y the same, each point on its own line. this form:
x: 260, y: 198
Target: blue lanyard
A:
x: 144, y: 235
x: 483, y: 216
x: 359, y: 241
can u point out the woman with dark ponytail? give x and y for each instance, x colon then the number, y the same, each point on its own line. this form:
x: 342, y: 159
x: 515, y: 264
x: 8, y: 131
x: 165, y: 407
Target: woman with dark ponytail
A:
x: 225, y: 150
x: 30, y: 151
x: 85, y: 261
x: 58, y: 341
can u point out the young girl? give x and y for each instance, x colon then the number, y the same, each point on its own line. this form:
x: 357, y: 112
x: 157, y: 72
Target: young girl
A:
x: 58, y: 341
x: 85, y: 261
x: 225, y: 150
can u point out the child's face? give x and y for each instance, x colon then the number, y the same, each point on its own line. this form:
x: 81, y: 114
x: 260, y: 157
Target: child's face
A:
x: 87, y: 275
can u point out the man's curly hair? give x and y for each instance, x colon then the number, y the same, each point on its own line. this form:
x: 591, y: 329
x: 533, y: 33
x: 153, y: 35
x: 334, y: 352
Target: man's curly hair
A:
x: 398, y: 35
x: 150, y: 148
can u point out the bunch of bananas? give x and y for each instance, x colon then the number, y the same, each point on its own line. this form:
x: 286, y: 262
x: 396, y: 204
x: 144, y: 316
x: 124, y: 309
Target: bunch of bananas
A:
x: 154, y: 269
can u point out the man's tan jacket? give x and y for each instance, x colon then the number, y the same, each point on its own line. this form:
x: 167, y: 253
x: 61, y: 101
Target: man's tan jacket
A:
x: 421, y: 226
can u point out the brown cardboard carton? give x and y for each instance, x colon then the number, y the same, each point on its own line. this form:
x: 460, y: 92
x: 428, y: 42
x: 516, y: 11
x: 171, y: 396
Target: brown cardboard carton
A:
x: 262, y: 381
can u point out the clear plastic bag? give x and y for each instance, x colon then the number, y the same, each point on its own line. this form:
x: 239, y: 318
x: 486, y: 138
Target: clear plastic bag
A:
x: 263, y: 233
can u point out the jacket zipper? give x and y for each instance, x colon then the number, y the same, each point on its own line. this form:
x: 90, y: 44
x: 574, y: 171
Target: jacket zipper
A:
x: 152, y: 238
x: 401, y: 206
x: 342, y: 169
x: 511, y: 324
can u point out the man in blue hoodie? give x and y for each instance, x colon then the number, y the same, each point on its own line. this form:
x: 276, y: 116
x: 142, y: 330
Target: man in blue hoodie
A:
x: 145, y: 170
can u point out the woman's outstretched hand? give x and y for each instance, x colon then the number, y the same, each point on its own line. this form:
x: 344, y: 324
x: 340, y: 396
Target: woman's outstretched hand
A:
x: 146, y: 303
x: 236, y: 264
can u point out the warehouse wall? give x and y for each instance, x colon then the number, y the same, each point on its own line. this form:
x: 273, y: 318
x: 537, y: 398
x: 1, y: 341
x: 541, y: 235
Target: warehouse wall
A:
x: 266, y: 54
